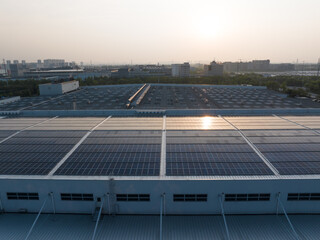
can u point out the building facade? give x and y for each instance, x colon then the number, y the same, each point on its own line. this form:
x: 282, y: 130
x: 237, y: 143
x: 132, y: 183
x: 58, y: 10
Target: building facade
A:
x: 181, y: 70
x: 214, y: 69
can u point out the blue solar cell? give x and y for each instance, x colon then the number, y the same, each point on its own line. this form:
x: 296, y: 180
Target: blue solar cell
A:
x: 125, y: 133
x: 51, y: 134
x: 298, y: 168
x: 212, y: 157
x: 41, y: 141
x: 225, y: 169
x: 6, y: 133
x: 35, y: 148
x: 309, y: 147
x: 90, y: 148
x: 203, y: 148
x: 123, y: 140
x: 20, y: 158
x: 293, y: 156
x: 29, y: 168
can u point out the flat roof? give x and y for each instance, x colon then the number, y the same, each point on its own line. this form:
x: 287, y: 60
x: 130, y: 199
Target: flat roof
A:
x: 165, y: 97
x: 251, y: 227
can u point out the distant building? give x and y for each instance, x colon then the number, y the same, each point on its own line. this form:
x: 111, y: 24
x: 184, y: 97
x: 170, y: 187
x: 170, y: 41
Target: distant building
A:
x: 282, y: 67
x: 58, y: 88
x: 53, y: 63
x: 253, y: 66
x: 181, y: 70
x: 39, y: 64
x: 15, y: 61
x: 8, y: 65
x: 16, y: 70
x: 259, y: 65
x: 214, y: 69
x: 120, y: 73
x: 57, y: 73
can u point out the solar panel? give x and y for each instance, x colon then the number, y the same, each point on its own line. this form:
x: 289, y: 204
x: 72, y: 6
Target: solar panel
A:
x: 28, y: 163
x: 38, y: 168
x: 91, y: 148
x: 204, y: 169
x: 35, y: 148
x: 42, y: 141
x: 212, y: 157
x: 123, y: 140
x: 205, y: 140
x: 203, y: 148
x: 306, y: 147
x: 51, y: 134
x: 30, y: 157
x: 293, y: 156
x: 298, y: 167
x: 4, y: 134
x: 133, y: 133
x: 278, y: 133
x: 296, y: 139
x: 203, y: 133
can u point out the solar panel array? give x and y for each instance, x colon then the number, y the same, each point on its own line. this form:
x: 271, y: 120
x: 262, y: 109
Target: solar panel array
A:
x: 291, y: 152
x: 209, y: 147
x: 118, y: 147
x: 195, y: 146
x: 164, y: 96
x: 107, y: 97
x: 218, y: 97
x: 24, y: 102
x: 35, y: 152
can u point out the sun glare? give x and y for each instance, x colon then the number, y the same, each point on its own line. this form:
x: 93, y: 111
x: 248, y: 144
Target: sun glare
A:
x: 206, y: 122
x: 208, y: 27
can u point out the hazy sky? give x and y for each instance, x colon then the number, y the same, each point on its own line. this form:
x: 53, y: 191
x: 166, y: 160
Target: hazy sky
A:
x: 149, y: 31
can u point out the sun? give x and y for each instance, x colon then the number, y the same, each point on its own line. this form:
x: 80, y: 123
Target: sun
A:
x: 207, y: 27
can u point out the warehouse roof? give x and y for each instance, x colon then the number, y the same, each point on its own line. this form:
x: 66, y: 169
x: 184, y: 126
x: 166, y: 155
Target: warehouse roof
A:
x: 164, y: 96
x: 210, y: 146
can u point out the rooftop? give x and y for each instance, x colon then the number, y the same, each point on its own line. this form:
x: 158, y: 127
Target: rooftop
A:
x: 164, y: 96
x: 216, y: 146
x: 81, y: 227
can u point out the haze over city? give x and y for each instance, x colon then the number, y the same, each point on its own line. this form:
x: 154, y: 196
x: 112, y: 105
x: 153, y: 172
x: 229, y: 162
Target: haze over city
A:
x: 148, y: 31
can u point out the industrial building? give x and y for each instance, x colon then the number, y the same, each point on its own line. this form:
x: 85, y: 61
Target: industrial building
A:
x: 56, y: 73
x: 148, y: 173
x: 58, y: 88
x: 214, y: 69
x: 181, y: 70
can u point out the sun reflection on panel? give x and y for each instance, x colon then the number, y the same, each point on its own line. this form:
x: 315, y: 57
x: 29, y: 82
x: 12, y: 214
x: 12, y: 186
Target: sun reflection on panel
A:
x: 206, y: 122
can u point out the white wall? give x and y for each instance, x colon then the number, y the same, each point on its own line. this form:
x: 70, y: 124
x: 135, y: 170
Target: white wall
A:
x: 58, y: 88
x: 157, y: 187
